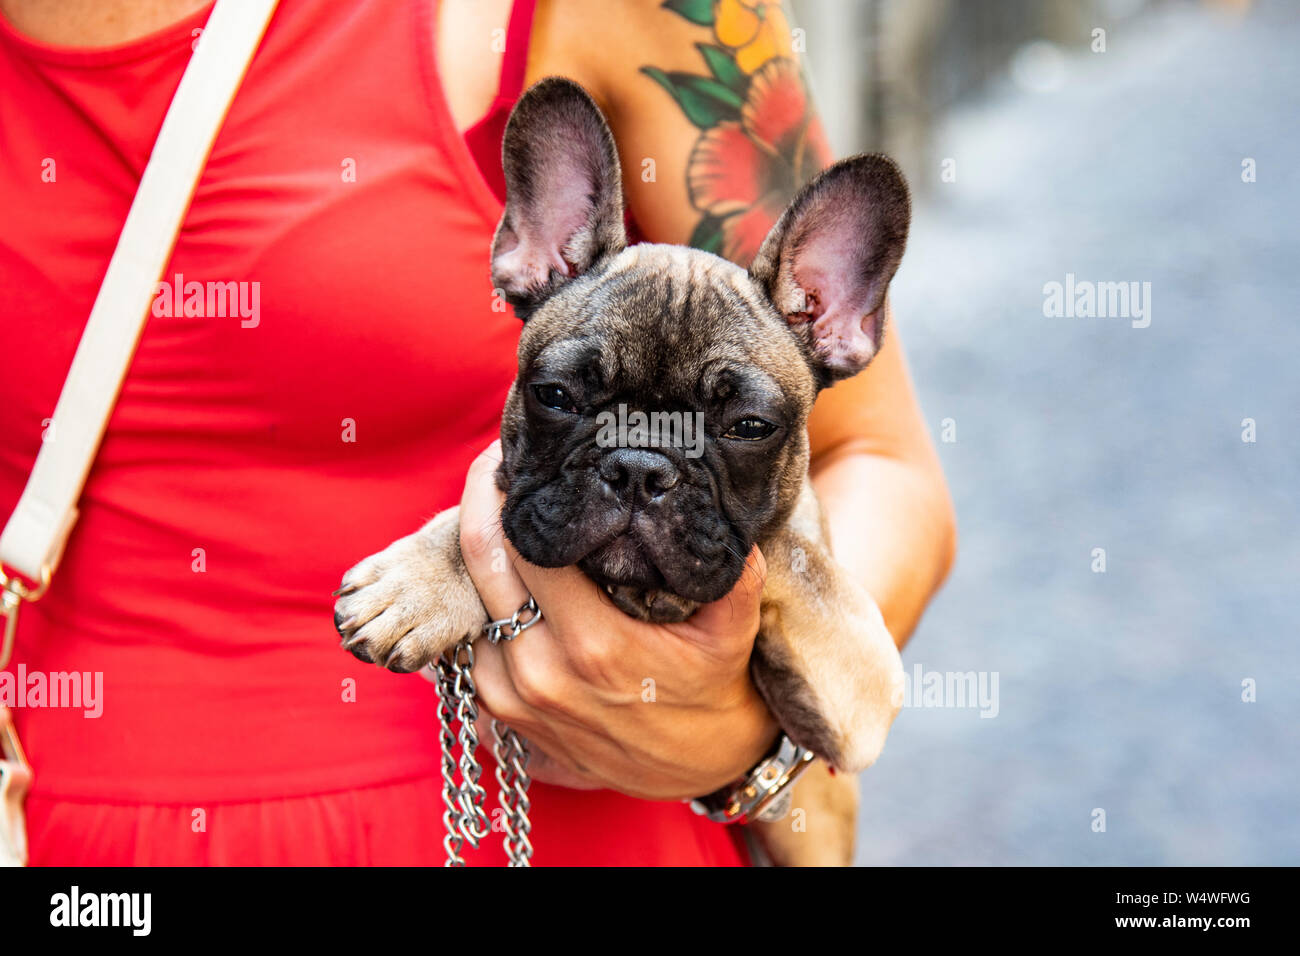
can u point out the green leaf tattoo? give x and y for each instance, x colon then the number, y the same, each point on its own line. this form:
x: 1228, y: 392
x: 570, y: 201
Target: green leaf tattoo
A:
x: 697, y: 11
x: 707, y: 235
x: 723, y: 67
x: 705, y: 101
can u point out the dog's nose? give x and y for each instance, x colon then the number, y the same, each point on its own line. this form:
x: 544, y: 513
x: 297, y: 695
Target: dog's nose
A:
x: 638, y: 474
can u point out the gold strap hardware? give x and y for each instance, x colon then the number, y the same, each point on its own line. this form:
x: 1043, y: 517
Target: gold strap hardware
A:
x: 13, y: 592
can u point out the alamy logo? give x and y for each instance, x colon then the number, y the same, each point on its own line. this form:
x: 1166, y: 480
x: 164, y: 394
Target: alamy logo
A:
x: 1098, y: 300
x: 974, y: 690
x: 63, y: 689
x: 209, y: 300
x: 624, y: 429
x: 75, y: 908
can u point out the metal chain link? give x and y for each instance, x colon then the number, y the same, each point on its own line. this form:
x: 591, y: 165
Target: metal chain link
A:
x: 473, y: 824
x: 464, y: 816
x: 453, y: 841
x: 512, y: 777
x: 496, y: 630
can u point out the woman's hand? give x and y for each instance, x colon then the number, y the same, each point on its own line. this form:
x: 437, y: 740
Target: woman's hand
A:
x: 663, y: 712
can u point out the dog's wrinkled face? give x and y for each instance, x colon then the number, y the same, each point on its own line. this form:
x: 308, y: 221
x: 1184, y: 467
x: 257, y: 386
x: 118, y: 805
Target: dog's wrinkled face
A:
x: 686, y: 339
x: 656, y: 429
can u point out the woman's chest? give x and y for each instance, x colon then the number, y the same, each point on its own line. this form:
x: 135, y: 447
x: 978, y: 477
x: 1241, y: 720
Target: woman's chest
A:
x: 333, y: 264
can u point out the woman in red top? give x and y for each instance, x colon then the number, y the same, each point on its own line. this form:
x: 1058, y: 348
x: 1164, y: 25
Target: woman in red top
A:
x: 251, y: 458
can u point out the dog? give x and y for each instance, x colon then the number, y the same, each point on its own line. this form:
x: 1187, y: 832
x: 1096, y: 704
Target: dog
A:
x: 662, y: 328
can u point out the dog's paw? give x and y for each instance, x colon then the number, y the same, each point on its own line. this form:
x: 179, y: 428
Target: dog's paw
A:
x: 403, y: 607
x: 842, y: 716
x: 838, y: 699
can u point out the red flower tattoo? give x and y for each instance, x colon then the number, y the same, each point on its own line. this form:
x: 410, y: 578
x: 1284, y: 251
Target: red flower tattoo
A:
x: 743, y: 173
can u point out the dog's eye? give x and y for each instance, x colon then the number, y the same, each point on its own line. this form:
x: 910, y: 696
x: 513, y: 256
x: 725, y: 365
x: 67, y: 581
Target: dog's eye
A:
x: 553, y: 396
x: 750, y: 429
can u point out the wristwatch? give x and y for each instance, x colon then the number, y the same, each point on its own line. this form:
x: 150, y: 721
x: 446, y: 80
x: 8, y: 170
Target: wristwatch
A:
x: 764, y: 793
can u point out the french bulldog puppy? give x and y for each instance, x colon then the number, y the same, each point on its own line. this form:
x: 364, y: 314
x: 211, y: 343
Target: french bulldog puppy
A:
x: 669, y: 329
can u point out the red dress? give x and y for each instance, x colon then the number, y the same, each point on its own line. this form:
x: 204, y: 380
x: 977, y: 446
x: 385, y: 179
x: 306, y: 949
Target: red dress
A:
x: 252, y: 458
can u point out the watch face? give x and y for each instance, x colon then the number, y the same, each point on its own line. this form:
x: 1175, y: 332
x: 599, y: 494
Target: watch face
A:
x: 776, y: 809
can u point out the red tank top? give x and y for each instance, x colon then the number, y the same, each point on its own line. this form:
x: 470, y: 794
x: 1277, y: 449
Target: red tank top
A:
x: 253, y: 457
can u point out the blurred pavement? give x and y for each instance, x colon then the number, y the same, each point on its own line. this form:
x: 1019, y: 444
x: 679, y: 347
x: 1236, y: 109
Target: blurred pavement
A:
x: 1120, y: 690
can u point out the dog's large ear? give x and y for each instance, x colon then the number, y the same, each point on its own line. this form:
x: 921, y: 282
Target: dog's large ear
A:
x: 827, y: 262
x: 564, y: 194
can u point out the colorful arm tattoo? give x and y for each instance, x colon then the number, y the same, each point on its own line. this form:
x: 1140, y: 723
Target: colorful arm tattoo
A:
x: 759, y: 137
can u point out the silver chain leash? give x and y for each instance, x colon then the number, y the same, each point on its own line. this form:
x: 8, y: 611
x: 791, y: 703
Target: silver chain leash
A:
x: 453, y: 841
x: 464, y: 816
x: 512, y: 777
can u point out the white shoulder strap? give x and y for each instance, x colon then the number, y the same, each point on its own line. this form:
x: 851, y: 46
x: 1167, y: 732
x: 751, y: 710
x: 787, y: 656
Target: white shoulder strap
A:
x: 33, y: 539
